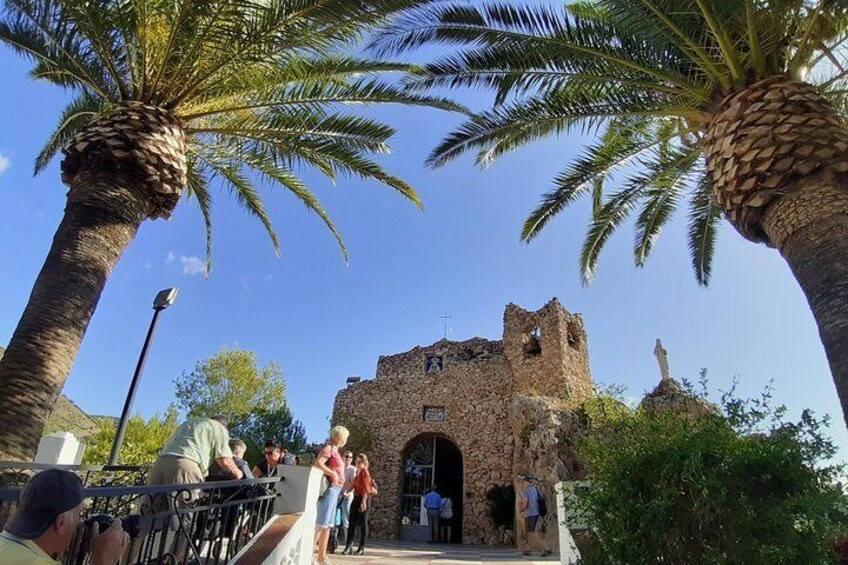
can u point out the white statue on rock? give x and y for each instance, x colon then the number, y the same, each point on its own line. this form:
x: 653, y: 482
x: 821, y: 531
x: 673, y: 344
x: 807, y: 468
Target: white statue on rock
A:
x: 662, y: 358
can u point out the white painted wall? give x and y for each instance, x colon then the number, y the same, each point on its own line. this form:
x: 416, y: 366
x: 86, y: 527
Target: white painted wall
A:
x: 567, y: 519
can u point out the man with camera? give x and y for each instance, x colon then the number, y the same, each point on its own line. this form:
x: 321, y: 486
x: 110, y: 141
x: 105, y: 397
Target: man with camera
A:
x: 46, y: 520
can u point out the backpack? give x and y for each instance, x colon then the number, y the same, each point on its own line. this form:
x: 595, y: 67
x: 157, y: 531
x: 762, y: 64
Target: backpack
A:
x: 541, y: 503
x: 446, y: 511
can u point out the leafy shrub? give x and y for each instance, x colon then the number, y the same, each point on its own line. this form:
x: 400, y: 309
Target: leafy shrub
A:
x: 142, y: 443
x: 502, y: 505
x: 741, y: 487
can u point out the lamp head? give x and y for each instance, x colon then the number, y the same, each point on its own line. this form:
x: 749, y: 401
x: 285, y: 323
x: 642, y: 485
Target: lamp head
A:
x: 165, y: 298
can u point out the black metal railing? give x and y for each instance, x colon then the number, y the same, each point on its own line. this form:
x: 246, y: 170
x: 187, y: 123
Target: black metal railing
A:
x: 197, y: 523
x: 16, y: 473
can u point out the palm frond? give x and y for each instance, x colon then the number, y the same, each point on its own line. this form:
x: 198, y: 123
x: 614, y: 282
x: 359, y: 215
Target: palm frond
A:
x: 623, y: 141
x: 704, y: 215
x: 662, y: 199
x: 73, y: 118
x: 244, y: 191
x: 198, y: 187
x: 608, y: 218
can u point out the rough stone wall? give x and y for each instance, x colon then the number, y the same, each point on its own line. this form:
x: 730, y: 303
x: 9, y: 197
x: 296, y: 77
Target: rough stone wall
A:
x: 507, y: 396
x: 475, y: 393
x: 558, y: 365
x: 671, y: 396
x: 542, y: 428
x: 411, y: 364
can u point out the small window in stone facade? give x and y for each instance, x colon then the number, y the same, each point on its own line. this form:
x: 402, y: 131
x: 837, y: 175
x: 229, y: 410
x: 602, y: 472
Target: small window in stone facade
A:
x: 573, y: 332
x: 434, y: 364
x: 533, y: 342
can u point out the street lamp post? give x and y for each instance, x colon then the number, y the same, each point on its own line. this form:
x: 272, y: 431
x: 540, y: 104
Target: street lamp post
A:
x: 164, y: 299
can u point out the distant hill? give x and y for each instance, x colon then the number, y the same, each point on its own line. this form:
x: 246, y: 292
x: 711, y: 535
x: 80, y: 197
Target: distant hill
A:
x: 68, y: 417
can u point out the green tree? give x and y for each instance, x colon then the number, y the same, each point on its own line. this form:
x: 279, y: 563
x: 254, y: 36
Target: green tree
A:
x: 142, y: 443
x: 253, y: 398
x: 743, y: 486
x: 171, y: 98
x: 266, y: 424
x: 362, y: 436
x: 732, y: 108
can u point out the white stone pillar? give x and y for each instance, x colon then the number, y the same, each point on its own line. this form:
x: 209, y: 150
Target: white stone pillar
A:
x: 60, y: 448
x: 567, y: 519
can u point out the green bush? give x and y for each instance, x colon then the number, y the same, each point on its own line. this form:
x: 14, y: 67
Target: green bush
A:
x: 142, y: 442
x: 502, y: 505
x: 741, y: 487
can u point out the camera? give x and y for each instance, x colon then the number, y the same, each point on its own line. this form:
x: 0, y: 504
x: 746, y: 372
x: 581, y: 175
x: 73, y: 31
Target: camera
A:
x: 130, y: 524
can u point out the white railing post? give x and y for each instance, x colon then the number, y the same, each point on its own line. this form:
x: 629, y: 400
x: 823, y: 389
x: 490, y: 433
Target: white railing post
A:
x: 299, y: 486
x: 567, y: 519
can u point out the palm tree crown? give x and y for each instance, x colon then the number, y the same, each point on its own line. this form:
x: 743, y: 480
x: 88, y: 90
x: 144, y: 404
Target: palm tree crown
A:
x: 236, y: 90
x: 650, y: 77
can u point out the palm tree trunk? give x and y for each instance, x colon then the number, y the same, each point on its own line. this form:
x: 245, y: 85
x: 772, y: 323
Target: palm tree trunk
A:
x: 810, y: 227
x: 103, y: 213
x: 777, y: 156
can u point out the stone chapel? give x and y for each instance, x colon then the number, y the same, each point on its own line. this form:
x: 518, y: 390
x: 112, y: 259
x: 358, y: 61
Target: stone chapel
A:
x: 469, y: 415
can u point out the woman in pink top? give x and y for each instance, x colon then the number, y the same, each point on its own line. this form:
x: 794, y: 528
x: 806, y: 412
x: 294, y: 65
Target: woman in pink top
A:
x: 330, y: 463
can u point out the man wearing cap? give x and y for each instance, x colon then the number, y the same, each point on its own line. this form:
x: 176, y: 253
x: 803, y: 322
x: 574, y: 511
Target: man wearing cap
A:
x: 528, y: 505
x: 48, y: 515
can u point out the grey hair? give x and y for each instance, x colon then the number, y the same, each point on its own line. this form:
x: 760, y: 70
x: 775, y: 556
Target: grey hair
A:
x: 236, y: 443
x: 221, y: 419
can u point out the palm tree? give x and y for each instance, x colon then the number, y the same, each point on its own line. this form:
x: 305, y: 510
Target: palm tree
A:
x: 734, y: 108
x: 172, y: 96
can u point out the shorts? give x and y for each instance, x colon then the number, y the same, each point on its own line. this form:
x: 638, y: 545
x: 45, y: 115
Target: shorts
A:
x: 327, y: 509
x: 530, y: 523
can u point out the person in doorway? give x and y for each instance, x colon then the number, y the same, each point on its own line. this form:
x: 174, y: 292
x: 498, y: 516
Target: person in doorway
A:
x: 446, y: 518
x: 433, y: 504
x: 528, y: 505
x: 270, y: 459
x: 363, y: 490
x: 346, y: 497
x: 330, y: 463
x: 46, y: 520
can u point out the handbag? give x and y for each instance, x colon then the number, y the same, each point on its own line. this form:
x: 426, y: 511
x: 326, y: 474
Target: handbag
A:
x: 325, y: 486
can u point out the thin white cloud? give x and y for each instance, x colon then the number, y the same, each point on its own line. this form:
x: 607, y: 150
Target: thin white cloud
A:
x: 193, y: 265
x: 5, y: 163
x: 170, y: 258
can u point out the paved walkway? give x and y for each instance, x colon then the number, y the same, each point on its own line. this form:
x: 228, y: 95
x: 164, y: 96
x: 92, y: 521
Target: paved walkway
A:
x: 403, y: 553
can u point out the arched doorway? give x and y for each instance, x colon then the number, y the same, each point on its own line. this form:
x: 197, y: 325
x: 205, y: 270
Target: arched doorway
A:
x: 426, y: 461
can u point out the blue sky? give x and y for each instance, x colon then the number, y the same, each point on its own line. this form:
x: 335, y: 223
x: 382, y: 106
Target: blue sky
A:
x: 323, y: 321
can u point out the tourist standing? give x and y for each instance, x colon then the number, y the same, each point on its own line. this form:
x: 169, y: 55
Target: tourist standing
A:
x: 186, y: 457
x: 433, y: 504
x: 346, y: 497
x: 271, y: 457
x: 446, y: 518
x: 529, y: 505
x: 363, y: 490
x: 330, y: 463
